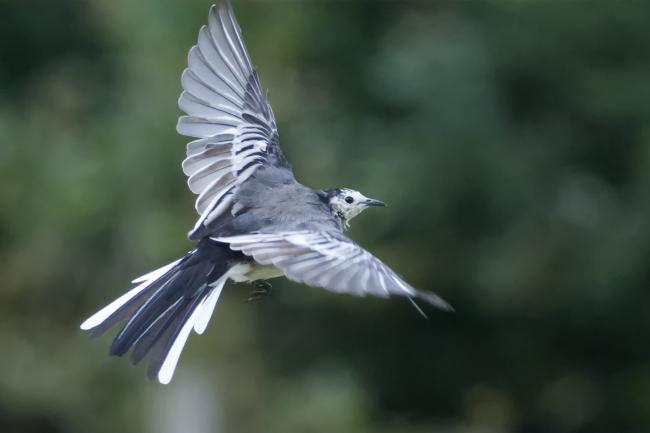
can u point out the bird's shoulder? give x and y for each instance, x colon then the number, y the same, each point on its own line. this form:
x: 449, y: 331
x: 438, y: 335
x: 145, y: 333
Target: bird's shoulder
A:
x: 272, y: 200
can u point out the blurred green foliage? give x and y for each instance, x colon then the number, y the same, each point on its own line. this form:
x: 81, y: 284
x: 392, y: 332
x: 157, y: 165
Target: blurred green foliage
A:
x: 511, y: 140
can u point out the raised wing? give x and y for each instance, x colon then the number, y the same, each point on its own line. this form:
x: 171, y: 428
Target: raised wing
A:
x: 329, y: 260
x: 227, y: 112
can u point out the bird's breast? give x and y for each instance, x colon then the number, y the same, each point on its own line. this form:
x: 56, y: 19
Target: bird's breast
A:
x: 246, y: 272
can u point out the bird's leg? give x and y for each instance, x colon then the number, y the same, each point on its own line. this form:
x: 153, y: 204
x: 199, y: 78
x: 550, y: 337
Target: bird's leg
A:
x: 262, y: 289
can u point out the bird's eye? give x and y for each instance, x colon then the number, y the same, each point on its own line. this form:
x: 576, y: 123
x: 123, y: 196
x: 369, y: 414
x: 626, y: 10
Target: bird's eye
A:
x: 349, y: 200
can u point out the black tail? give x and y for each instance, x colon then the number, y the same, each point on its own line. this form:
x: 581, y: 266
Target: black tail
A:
x: 161, y: 311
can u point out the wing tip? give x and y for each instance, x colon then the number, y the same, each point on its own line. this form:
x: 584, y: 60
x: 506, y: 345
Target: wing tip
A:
x: 218, y: 7
x: 222, y: 5
x: 436, y: 301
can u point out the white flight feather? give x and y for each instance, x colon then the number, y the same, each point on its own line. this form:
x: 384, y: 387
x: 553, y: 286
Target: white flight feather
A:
x: 171, y: 360
x: 208, y: 305
x: 155, y: 273
x: 107, y: 311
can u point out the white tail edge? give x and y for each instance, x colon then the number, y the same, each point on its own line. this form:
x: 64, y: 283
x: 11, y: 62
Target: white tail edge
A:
x: 145, y: 281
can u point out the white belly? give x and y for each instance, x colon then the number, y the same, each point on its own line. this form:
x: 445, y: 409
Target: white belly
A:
x: 252, y: 271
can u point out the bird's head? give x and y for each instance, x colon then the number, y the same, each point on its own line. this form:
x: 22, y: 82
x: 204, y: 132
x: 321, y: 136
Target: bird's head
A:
x: 347, y: 203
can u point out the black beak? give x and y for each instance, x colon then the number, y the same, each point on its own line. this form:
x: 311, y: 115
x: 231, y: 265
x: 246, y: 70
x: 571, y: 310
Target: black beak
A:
x: 373, y: 202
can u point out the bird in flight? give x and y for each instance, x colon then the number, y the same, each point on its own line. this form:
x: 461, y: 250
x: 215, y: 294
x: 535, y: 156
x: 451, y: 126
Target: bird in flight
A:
x: 256, y: 220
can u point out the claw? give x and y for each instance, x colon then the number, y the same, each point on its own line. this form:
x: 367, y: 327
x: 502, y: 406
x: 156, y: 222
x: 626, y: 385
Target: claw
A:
x: 262, y: 289
x: 263, y: 285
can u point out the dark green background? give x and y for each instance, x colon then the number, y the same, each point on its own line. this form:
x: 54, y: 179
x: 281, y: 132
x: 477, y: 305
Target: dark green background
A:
x: 511, y: 140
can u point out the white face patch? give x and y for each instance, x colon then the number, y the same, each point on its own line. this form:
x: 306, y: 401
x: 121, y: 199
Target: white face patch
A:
x: 347, y: 204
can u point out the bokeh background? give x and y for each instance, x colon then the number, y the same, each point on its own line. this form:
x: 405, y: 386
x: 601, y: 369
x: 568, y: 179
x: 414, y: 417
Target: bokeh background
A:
x: 511, y: 140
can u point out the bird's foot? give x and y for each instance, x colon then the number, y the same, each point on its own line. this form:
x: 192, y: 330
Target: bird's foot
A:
x: 262, y: 289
